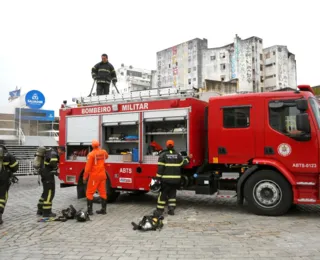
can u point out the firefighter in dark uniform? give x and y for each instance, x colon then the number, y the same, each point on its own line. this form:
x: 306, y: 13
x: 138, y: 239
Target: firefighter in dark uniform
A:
x: 104, y: 73
x: 8, y: 166
x: 169, y: 172
x: 47, y: 161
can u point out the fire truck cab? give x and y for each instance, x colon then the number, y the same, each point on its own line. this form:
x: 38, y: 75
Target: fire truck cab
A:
x: 262, y: 148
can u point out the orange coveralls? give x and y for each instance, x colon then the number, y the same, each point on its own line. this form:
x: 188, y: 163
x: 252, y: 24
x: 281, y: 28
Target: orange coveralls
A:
x: 97, y: 176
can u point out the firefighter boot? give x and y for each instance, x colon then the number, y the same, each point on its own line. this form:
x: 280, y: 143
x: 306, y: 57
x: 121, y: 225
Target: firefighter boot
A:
x: 39, y: 211
x: 171, y: 211
x: 89, y: 205
x: 1, y: 221
x: 47, y: 213
x: 103, y: 209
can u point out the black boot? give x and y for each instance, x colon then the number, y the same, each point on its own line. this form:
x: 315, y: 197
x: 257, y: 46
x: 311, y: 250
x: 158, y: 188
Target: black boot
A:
x: 47, y: 213
x: 103, y: 209
x: 89, y: 205
x: 39, y: 211
x: 171, y: 211
x: 1, y: 221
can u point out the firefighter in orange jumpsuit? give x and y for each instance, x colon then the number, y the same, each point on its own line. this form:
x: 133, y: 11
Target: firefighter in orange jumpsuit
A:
x: 96, y: 172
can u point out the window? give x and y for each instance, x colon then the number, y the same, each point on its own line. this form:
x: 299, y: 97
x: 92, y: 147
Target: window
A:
x: 269, y: 77
x: 176, y: 63
x: 316, y: 109
x: 189, y: 70
x: 222, y: 78
x: 222, y: 55
x: 189, y: 81
x: 261, y: 56
x: 267, y: 55
x: 194, y: 68
x: 238, y: 117
x: 252, y: 59
x: 269, y: 65
x: 274, y: 53
x: 261, y: 79
x: 194, y: 79
x: 222, y: 66
x: 122, y: 73
x: 282, y: 115
x: 261, y: 67
x: 212, y: 57
x: 169, y: 66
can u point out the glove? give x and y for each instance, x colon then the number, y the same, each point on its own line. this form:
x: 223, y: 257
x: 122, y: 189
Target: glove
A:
x: 158, y: 179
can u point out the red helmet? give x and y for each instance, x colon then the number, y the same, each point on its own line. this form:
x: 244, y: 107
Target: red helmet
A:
x: 170, y: 143
x: 95, y: 143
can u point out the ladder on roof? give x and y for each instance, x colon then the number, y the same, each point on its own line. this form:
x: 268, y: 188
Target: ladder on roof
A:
x: 153, y: 94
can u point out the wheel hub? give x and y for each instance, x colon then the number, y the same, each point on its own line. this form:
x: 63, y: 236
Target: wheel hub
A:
x: 267, y: 194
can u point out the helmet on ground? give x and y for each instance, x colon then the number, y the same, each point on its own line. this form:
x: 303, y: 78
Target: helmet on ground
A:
x: 82, y: 216
x: 170, y: 143
x: 95, y: 143
x: 155, y: 185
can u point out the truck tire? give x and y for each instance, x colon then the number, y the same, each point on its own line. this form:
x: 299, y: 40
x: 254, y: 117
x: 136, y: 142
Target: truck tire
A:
x: 268, y: 193
x: 112, y: 194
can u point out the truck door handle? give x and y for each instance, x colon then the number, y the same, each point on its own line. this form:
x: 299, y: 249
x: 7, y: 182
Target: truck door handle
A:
x: 268, y: 150
x: 222, y: 150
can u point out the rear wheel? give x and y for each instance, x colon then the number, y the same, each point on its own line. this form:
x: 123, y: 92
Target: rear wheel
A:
x: 112, y: 193
x: 268, y: 193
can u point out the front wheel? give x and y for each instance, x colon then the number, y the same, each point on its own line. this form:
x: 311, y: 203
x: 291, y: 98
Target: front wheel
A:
x: 268, y: 193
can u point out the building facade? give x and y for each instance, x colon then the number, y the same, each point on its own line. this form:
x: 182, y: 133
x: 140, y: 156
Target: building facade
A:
x: 132, y: 79
x: 191, y: 63
x: 280, y: 68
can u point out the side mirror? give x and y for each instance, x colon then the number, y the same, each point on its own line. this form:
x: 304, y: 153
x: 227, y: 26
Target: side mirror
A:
x: 302, y: 104
x: 303, y: 123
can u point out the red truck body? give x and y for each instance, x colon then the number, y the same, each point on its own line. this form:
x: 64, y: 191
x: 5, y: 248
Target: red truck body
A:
x: 261, y: 147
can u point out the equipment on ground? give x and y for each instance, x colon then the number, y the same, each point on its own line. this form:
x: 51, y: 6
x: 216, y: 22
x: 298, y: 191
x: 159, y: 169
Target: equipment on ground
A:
x: 149, y: 223
x: 249, y: 146
x: 82, y: 216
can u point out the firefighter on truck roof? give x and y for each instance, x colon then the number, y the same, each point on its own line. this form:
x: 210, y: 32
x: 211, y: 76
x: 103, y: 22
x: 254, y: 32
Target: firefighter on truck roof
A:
x: 169, y: 173
x: 103, y: 72
x: 96, y: 173
x: 8, y: 166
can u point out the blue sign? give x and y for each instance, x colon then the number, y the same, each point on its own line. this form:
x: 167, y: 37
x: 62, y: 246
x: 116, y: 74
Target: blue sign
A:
x: 35, y: 99
x: 34, y: 114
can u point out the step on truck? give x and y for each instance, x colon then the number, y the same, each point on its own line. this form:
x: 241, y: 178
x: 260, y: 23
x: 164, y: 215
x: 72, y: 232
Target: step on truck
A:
x: 262, y: 148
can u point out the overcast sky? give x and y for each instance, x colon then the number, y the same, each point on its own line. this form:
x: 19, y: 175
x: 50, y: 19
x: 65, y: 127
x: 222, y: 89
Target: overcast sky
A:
x: 51, y: 46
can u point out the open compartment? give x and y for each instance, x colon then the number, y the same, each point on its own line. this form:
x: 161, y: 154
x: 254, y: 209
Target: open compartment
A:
x: 160, y: 126
x: 121, y: 137
x: 77, y: 151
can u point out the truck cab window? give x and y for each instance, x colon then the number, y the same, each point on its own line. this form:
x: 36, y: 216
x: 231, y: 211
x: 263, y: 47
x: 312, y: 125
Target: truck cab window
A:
x: 283, y: 119
x: 316, y: 109
x: 238, y: 117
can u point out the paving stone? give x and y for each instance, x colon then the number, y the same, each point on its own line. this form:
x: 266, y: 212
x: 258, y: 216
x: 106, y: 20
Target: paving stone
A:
x: 203, y: 228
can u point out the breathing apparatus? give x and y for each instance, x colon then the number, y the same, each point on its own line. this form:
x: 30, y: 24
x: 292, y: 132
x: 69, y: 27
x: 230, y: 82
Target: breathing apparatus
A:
x: 1, y: 157
x: 39, y: 157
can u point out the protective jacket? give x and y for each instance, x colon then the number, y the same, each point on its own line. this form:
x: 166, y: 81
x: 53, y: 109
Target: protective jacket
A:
x: 169, y: 166
x: 104, y: 73
x: 51, y: 161
x: 95, y: 165
x: 9, y: 166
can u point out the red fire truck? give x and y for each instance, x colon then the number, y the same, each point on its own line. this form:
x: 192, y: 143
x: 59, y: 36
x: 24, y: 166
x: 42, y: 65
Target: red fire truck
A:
x: 262, y: 147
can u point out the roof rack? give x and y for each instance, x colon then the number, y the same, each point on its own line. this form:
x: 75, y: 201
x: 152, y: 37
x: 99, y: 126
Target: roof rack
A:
x: 153, y: 94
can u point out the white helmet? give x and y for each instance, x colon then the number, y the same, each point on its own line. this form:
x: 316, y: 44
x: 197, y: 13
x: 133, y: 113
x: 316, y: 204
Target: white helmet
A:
x: 155, y: 185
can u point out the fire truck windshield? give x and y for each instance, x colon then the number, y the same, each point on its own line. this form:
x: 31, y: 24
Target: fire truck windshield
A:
x: 316, y: 109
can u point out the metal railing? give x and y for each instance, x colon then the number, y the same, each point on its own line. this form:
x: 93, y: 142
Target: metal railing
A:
x: 25, y: 167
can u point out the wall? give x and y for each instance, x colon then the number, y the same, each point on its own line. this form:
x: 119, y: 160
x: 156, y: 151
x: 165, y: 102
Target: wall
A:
x: 220, y: 87
x: 181, y: 65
